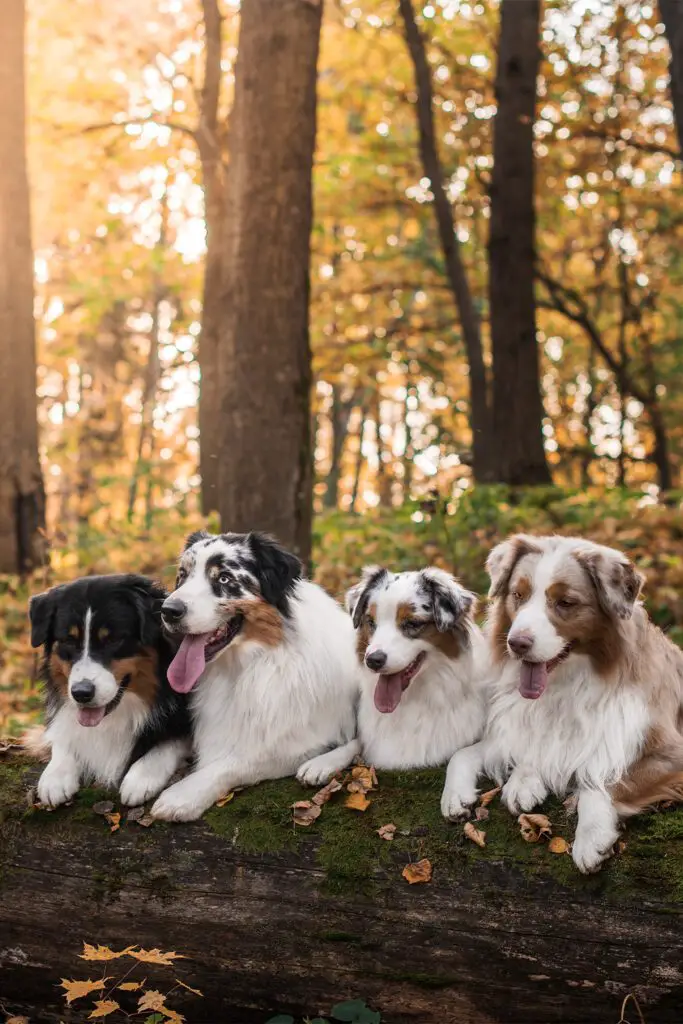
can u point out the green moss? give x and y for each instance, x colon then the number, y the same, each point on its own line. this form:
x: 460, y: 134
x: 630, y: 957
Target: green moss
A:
x: 259, y: 819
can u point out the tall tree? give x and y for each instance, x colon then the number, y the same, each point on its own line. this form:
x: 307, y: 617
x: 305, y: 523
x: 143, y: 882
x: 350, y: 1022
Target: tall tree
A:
x: 483, y: 449
x: 671, y: 12
x: 265, y: 473
x: 517, y: 405
x: 22, y: 498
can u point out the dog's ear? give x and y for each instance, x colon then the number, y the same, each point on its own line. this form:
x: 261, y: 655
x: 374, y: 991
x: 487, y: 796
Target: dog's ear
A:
x: 617, y: 582
x: 450, y: 603
x: 358, y: 597
x: 147, y: 596
x: 194, y: 537
x: 276, y: 568
x: 504, y: 557
x: 41, y: 613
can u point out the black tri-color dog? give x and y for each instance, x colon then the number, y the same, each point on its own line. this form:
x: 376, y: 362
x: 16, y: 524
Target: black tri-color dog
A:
x: 112, y: 718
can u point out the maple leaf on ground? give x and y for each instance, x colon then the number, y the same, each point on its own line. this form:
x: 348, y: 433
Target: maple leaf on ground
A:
x: 386, y: 832
x: 558, y: 845
x: 534, y: 827
x: 78, y: 989
x: 324, y: 794
x: 475, y: 834
x: 102, y: 953
x: 487, y: 797
x: 305, y: 812
x: 363, y: 779
x: 357, y: 802
x: 481, y: 813
x: 130, y: 986
x: 155, y: 956
x: 114, y: 820
x: 17, y: 1020
x: 152, y: 999
x: 103, y: 1007
x: 421, y: 871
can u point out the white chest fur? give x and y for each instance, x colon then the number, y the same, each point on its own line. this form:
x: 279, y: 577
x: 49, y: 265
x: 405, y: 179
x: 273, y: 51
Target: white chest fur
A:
x: 582, y: 729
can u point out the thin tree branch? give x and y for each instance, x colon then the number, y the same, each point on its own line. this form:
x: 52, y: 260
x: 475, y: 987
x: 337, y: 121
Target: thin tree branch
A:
x: 173, y: 125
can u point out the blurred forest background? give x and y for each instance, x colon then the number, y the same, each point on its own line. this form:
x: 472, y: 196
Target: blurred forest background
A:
x: 490, y: 336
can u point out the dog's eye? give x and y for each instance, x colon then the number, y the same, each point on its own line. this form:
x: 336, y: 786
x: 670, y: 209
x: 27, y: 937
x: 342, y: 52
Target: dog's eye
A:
x: 224, y: 579
x: 565, y: 603
x: 517, y: 596
x: 102, y: 633
x: 370, y: 622
x: 414, y: 625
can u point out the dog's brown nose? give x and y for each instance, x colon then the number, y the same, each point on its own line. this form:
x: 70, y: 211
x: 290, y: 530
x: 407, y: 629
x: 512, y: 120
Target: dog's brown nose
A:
x: 520, y: 643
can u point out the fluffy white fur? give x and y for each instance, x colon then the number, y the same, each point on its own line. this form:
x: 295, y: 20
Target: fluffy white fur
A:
x: 260, y: 710
x: 442, y: 709
x: 100, y: 755
x: 586, y: 731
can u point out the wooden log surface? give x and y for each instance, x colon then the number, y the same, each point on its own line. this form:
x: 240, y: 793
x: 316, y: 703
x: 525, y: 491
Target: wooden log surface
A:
x: 272, y: 918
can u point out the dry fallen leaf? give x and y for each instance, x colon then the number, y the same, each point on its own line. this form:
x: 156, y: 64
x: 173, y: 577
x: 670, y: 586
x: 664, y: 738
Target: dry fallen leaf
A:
x: 155, y: 956
x: 131, y: 986
x: 103, y: 1007
x: 487, y: 797
x: 481, y: 813
x: 189, y: 988
x: 17, y: 1020
x: 558, y: 845
x: 305, y: 812
x: 386, y: 832
x: 357, y: 802
x: 78, y: 989
x: 152, y: 999
x: 114, y: 820
x: 363, y: 778
x: 534, y: 827
x: 475, y: 834
x: 102, y: 953
x: 103, y: 807
x: 324, y: 794
x: 571, y: 803
x: 421, y: 871
x: 225, y: 799
x: 146, y: 820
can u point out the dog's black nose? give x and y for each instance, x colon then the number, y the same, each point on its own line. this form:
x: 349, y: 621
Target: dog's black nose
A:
x: 520, y: 644
x: 173, y: 609
x: 376, y: 661
x: 83, y: 691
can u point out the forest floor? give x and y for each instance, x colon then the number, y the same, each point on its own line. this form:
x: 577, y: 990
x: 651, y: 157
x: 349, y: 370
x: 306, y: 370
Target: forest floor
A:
x: 457, y: 538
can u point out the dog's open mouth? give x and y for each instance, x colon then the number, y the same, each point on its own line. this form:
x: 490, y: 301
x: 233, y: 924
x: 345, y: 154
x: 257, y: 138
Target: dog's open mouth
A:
x: 196, y: 650
x: 533, y: 675
x: 389, y: 688
x: 91, y: 717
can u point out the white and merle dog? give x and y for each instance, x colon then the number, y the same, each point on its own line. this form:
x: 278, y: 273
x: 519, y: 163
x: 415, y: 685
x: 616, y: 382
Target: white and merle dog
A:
x: 589, y: 696
x: 111, y: 716
x: 423, y: 663
x: 269, y: 658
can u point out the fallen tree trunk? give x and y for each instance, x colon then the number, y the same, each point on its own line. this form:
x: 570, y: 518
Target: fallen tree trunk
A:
x: 272, y: 918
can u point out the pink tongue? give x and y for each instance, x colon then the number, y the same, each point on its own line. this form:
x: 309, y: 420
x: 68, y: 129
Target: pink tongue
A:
x: 90, y: 716
x: 388, y: 692
x: 189, y: 662
x: 533, y: 679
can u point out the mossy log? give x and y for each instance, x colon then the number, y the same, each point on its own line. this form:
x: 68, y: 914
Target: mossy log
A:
x: 276, y: 918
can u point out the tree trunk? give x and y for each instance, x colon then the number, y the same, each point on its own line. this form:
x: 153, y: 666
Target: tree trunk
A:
x: 213, y: 175
x: 269, y: 918
x: 265, y: 361
x: 517, y: 405
x: 22, y: 495
x: 671, y: 12
x: 340, y: 413
x: 358, y: 466
x: 483, y: 446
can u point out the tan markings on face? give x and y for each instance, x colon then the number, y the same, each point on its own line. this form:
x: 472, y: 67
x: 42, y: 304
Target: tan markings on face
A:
x: 74, y: 632
x: 447, y: 643
x: 521, y: 591
x: 575, y: 613
x: 262, y: 622
x: 405, y: 612
x: 504, y: 611
x: 102, y: 633
x: 365, y: 631
x: 59, y: 673
x: 143, y: 670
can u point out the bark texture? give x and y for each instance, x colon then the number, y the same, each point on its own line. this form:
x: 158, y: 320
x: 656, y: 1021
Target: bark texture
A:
x: 671, y: 12
x: 483, y: 448
x: 265, y: 472
x: 517, y: 405
x: 22, y: 497
x: 274, y: 919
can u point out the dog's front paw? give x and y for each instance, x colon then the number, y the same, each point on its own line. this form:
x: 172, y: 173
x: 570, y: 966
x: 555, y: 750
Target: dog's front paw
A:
x: 57, y: 785
x: 523, y: 791
x: 456, y: 804
x: 318, y: 771
x: 178, y: 803
x: 138, y: 786
x: 592, y: 846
